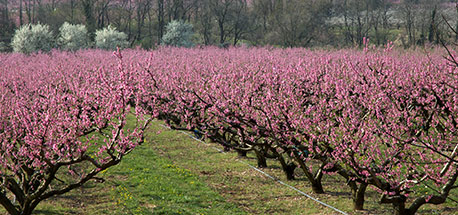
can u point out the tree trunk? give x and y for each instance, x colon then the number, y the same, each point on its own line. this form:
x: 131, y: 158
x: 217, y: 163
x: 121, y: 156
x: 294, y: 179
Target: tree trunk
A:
x: 358, y: 197
x: 140, y: 19
x: 241, y: 153
x: 357, y: 192
x: 315, y: 180
x: 33, y: 12
x: 398, y: 203
x: 289, y: 171
x: 221, y: 33
x: 5, y: 202
x: 90, y: 21
x: 20, y: 13
x: 236, y: 38
x: 27, y: 211
x: 262, y: 162
x: 7, y: 16
x: 27, y: 11
x: 72, y: 9
x: 432, y: 25
x: 456, y: 29
x: 317, y: 187
x: 288, y: 168
x: 400, y: 208
x: 160, y: 20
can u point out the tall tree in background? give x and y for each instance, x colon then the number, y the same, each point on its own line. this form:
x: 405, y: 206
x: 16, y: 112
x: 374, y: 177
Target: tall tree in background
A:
x: 222, y: 11
x: 432, y: 24
x: 160, y: 19
x: 205, y: 21
x: 291, y: 24
x: 379, y: 20
x: 88, y: 14
x: 356, y: 20
x: 259, y: 22
x: 456, y: 28
x: 72, y: 11
x: 297, y: 23
x: 176, y: 10
x: 6, y: 26
x: 242, y: 21
x: 31, y: 10
x: 20, y: 13
x: 102, y: 13
x: 407, y: 10
x: 4, y: 13
x: 143, y: 7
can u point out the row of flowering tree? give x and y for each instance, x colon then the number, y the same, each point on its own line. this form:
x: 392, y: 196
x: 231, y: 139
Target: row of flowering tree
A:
x: 380, y: 119
x: 61, y: 114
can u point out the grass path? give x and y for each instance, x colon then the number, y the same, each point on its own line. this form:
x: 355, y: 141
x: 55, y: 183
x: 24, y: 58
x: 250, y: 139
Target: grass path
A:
x: 143, y: 183
x: 174, y: 174
x: 235, y: 181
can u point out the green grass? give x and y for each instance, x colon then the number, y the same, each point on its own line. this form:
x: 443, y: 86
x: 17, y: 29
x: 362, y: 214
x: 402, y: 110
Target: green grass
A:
x: 238, y: 183
x: 143, y: 183
x: 154, y: 184
x: 258, y: 194
x: 174, y: 174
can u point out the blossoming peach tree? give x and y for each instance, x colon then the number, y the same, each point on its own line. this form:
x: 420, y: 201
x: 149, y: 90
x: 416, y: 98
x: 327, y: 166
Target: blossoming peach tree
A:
x: 379, y: 118
x: 57, y: 118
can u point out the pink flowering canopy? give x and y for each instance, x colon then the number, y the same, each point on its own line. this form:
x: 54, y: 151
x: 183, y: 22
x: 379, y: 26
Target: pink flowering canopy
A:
x: 380, y: 118
x: 377, y: 117
x: 58, y: 111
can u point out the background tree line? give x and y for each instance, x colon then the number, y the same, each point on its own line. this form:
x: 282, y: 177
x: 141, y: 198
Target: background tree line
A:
x: 285, y: 23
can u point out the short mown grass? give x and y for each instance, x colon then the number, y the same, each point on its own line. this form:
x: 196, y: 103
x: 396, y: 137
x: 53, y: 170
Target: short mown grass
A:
x: 143, y: 183
x: 174, y: 174
x: 257, y: 194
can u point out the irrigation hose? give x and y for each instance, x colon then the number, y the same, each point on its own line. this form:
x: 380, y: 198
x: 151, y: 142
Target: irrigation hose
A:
x: 269, y: 176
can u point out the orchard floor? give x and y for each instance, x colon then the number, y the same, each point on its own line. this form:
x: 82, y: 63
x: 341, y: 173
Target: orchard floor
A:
x: 174, y: 174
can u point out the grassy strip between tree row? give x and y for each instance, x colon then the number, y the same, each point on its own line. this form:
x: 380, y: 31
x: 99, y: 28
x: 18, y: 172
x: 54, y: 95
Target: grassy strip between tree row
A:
x: 173, y: 174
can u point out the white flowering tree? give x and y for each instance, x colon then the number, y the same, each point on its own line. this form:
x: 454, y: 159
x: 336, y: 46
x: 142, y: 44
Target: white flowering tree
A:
x: 32, y: 38
x: 73, y: 37
x: 110, y: 38
x: 178, y: 34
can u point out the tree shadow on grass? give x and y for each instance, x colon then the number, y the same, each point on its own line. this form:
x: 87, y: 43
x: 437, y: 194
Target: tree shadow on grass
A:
x: 46, y: 211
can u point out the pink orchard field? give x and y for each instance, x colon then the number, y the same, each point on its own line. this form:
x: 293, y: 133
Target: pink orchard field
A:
x: 380, y: 118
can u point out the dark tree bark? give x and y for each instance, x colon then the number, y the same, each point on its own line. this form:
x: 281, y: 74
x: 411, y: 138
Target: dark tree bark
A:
x: 358, y: 194
x: 221, y: 10
x: 160, y: 19
x: 432, y: 25
x: 142, y: 10
x: 241, y: 153
x: 399, y: 202
x: 88, y: 13
x: 261, y: 158
x: 21, y: 21
x: 287, y: 167
x: 205, y: 21
x: 313, y: 178
x: 72, y: 11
